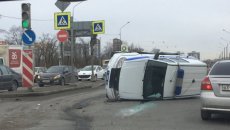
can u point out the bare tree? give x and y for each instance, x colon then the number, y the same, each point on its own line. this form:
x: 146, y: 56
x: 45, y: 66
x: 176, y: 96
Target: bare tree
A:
x: 107, y: 51
x: 13, y: 36
x: 82, y: 56
x: 133, y: 48
x: 46, y: 51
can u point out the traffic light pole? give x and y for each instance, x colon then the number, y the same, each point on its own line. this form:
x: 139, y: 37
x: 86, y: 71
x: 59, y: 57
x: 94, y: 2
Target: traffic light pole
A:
x: 93, y: 41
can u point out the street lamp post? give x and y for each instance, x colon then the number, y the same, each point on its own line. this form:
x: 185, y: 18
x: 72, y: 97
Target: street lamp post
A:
x: 228, y: 55
x: 73, y: 36
x: 74, y: 9
x: 226, y: 52
x: 121, y: 29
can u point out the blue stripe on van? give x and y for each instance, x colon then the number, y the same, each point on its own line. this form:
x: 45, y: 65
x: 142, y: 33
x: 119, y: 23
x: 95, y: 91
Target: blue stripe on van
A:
x: 136, y: 58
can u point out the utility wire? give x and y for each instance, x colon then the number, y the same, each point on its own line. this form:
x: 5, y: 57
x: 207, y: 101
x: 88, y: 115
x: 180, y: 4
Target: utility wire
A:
x: 10, y: 17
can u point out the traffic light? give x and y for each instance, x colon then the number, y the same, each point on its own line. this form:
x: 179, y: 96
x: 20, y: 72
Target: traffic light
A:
x: 26, y: 19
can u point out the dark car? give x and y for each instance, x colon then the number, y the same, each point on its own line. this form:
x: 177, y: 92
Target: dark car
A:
x: 55, y: 75
x: 9, y: 79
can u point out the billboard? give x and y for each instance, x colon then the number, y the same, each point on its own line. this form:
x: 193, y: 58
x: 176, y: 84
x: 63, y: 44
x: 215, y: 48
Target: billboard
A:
x: 14, y: 58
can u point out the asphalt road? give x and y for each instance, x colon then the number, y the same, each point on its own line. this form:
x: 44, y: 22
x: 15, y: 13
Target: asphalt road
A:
x: 87, y: 109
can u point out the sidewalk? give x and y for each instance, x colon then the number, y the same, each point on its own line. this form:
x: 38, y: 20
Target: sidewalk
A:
x: 47, y: 90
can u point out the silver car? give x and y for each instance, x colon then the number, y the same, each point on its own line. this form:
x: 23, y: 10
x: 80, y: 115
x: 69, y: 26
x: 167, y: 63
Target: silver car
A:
x: 215, y: 90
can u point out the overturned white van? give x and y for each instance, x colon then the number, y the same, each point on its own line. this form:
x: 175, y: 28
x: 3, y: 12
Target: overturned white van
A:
x: 152, y: 77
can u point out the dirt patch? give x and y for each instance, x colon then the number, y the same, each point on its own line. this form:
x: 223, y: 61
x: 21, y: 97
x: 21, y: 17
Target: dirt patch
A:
x: 82, y: 121
x: 20, y: 121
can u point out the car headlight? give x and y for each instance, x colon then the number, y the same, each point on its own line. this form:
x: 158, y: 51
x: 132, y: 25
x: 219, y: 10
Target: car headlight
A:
x: 57, y: 77
x: 39, y: 76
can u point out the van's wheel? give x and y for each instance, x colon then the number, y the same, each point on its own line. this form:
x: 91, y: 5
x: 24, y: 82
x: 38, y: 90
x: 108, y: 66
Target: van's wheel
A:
x: 62, y: 82
x: 205, y: 115
x: 13, y: 87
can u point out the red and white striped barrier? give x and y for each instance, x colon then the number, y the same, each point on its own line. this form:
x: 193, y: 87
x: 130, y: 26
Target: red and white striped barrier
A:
x: 27, y: 68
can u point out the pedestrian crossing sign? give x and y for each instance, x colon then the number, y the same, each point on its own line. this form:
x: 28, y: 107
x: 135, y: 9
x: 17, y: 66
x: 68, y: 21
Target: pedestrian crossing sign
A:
x: 62, y: 20
x: 98, y: 27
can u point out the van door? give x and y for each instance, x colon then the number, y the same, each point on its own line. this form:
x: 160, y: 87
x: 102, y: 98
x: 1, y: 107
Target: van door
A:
x: 153, y: 85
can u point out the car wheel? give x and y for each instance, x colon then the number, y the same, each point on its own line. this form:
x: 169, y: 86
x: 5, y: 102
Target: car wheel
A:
x: 40, y: 85
x: 205, y: 115
x: 14, y: 86
x: 35, y: 79
x: 62, y: 82
x: 103, y: 77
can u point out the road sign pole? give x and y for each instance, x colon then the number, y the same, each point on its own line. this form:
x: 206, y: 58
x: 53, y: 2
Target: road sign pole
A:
x: 72, y: 46
x: 61, y: 47
x: 59, y: 53
x: 93, y: 41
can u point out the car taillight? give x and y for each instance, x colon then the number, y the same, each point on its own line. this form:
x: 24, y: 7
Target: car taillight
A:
x: 206, y: 84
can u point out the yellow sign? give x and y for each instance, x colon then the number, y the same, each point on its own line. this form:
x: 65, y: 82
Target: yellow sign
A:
x: 62, y: 20
x: 98, y: 27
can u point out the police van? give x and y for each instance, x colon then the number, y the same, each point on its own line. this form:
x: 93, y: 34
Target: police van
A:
x: 153, y: 76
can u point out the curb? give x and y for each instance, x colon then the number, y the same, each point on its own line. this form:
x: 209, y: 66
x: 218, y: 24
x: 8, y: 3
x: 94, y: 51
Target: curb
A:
x: 44, y: 93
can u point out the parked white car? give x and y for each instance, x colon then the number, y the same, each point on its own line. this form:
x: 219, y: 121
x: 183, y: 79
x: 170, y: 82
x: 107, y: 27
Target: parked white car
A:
x: 86, y: 72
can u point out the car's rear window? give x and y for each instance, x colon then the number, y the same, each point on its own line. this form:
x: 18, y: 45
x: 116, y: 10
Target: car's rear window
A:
x: 222, y: 68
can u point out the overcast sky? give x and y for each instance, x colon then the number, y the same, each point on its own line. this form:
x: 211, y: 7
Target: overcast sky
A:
x: 171, y: 25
